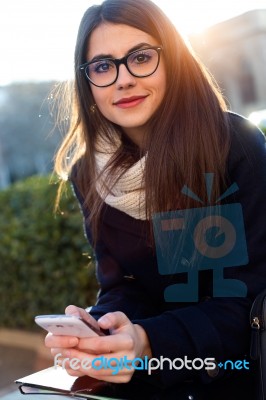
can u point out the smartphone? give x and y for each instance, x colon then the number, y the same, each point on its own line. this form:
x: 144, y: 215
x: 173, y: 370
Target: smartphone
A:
x: 67, y: 325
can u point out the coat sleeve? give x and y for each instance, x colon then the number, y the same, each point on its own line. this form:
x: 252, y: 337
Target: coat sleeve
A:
x: 219, y: 327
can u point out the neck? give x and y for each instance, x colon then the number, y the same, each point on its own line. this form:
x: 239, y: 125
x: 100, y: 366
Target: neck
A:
x: 137, y: 136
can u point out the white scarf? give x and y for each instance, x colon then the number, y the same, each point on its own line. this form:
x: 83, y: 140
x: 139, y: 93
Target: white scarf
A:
x: 127, y: 194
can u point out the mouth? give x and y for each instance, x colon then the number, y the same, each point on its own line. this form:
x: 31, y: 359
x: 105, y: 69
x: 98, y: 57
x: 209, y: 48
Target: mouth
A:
x: 129, y: 101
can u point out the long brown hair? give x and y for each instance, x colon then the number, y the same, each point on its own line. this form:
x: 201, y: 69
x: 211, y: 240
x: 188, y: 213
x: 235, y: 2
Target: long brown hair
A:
x: 189, y: 131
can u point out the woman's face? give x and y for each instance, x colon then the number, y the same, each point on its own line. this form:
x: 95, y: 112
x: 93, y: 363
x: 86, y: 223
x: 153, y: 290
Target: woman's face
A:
x: 130, y: 102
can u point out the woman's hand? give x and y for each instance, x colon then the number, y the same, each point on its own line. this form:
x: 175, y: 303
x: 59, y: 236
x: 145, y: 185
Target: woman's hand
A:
x: 106, y: 358
x: 59, y: 343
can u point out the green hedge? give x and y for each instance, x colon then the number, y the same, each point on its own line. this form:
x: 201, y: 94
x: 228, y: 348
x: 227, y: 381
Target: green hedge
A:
x: 45, y: 260
x: 263, y: 128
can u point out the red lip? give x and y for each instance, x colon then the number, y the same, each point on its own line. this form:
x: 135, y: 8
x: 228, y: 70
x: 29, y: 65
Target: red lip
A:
x: 127, y: 100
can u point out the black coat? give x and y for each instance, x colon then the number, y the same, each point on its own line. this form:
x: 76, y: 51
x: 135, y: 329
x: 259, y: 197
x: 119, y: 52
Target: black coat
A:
x: 215, y: 325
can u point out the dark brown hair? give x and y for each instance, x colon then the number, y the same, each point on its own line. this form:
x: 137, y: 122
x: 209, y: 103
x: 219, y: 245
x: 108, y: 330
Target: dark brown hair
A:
x: 190, y: 132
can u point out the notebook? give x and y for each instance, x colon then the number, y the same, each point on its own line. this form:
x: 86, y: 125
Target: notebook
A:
x: 55, y: 380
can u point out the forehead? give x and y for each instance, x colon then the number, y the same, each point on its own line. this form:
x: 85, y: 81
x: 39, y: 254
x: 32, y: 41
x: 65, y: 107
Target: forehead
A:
x: 116, y: 39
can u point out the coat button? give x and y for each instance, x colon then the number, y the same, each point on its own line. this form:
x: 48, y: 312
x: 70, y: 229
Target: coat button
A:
x: 213, y: 372
x: 129, y: 277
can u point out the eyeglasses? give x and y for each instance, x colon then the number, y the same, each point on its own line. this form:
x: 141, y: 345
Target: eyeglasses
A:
x: 140, y: 63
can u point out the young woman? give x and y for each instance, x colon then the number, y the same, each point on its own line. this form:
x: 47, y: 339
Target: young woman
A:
x: 150, y: 135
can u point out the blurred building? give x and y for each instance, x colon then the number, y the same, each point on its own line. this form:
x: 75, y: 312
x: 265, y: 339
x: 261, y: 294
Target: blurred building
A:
x: 235, y: 53
x: 28, y: 138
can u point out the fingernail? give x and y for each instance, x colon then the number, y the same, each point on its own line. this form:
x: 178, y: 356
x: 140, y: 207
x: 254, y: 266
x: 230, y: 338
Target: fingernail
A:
x: 103, y: 320
x: 73, y: 341
x: 75, y: 313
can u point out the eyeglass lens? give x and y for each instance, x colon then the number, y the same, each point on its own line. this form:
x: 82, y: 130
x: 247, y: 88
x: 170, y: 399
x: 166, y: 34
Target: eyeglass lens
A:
x: 140, y: 63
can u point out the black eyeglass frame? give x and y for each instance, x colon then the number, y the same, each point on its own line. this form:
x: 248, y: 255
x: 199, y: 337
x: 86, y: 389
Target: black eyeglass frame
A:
x: 120, y: 61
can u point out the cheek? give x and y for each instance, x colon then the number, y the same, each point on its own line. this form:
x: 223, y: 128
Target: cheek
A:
x: 162, y: 81
x: 96, y: 94
x: 160, y: 85
x: 161, y: 91
x: 101, y: 97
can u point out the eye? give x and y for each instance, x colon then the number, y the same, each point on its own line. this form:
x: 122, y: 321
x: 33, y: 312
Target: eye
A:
x: 141, y: 57
x: 103, y: 66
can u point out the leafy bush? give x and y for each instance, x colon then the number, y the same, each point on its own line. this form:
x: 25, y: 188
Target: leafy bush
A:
x: 262, y: 126
x: 45, y: 261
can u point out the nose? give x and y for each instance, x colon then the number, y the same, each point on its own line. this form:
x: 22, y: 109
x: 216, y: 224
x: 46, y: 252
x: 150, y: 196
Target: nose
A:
x: 124, y: 79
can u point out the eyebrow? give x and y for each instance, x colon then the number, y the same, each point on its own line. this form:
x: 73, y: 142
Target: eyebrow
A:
x: 137, y: 47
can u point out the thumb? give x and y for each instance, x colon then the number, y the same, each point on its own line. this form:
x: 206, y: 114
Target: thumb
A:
x: 80, y: 312
x: 73, y: 310
x: 113, y: 321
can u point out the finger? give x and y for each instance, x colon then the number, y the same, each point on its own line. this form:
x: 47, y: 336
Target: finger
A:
x: 78, y: 367
x: 113, y: 321
x: 88, y: 364
x: 107, y: 344
x: 114, y: 378
x: 80, y: 312
x: 74, y: 360
x: 73, y: 372
x: 73, y: 310
x: 112, y: 367
x: 60, y: 341
x: 58, y: 357
x: 58, y: 353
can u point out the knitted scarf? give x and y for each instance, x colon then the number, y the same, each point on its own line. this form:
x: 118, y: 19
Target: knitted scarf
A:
x: 127, y: 194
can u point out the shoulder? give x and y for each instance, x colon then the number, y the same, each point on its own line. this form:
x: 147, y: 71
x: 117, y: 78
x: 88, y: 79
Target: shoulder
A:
x: 246, y: 166
x: 247, y: 141
x: 244, y: 133
x: 73, y: 176
x: 74, y: 179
